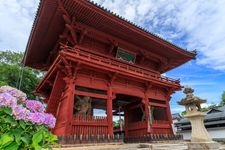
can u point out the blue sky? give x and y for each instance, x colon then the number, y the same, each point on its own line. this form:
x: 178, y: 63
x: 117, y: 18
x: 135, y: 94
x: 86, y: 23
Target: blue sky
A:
x: 190, y: 24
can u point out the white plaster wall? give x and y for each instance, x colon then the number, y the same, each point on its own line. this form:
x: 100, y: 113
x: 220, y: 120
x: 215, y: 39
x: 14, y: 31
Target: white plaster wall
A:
x: 173, y: 127
x: 214, y: 133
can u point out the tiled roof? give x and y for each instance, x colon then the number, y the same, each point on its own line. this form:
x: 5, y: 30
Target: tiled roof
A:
x: 137, y: 26
x: 209, y: 116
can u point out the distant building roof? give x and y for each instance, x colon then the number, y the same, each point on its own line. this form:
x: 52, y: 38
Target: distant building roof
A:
x: 176, y: 116
x: 214, y: 116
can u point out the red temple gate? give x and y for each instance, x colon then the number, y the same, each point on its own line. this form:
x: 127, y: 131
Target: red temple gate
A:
x: 95, y: 60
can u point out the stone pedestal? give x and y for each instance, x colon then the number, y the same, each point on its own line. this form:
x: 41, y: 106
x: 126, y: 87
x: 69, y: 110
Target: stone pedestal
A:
x: 211, y: 145
x: 199, y: 132
x: 200, y: 139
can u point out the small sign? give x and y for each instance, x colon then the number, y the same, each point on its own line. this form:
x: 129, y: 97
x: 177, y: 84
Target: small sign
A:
x: 125, y: 56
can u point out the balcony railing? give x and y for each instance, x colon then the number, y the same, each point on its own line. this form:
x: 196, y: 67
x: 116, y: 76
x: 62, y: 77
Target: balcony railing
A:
x: 117, y: 65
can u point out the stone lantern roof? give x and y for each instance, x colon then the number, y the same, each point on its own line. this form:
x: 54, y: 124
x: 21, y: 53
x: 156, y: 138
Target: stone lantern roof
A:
x: 190, y: 98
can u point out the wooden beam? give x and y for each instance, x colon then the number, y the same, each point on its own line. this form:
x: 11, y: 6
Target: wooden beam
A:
x: 83, y: 33
x: 101, y: 35
x: 72, y: 32
x: 61, y: 8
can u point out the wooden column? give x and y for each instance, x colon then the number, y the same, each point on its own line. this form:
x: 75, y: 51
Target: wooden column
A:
x: 169, y: 111
x: 126, y: 121
x: 146, y: 103
x: 109, y: 111
x: 65, y: 112
x: 56, y: 93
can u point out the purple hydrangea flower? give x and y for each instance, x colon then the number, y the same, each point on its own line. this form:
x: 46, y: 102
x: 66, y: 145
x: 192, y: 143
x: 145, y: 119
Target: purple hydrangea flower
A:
x: 34, y: 106
x: 42, y: 118
x: 19, y: 95
x: 33, y: 112
x: 49, y: 120
x: 7, y: 100
x: 21, y: 113
x: 37, y: 118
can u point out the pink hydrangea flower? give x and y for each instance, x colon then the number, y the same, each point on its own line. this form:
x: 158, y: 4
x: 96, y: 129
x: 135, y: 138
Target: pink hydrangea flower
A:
x: 34, y: 106
x: 20, y: 113
x: 42, y: 118
x: 33, y: 112
x: 7, y: 100
x: 49, y: 120
x: 19, y: 95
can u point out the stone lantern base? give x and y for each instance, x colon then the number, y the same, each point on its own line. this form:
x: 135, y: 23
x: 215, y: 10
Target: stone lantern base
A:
x: 200, y: 139
x: 203, y: 145
x: 198, y: 132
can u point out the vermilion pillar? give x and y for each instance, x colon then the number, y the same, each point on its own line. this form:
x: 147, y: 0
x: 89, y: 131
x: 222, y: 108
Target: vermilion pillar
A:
x: 54, y: 98
x: 109, y: 111
x: 147, y: 113
x: 65, y: 112
x: 169, y: 112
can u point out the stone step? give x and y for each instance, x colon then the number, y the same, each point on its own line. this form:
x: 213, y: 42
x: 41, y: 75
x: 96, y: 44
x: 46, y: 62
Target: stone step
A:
x: 169, y: 147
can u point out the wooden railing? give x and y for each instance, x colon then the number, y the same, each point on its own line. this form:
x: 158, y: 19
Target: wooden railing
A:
x: 160, y: 122
x: 84, y: 118
x: 117, y: 65
x: 136, y: 128
x: 161, y: 125
x: 136, y: 125
x: 89, y: 125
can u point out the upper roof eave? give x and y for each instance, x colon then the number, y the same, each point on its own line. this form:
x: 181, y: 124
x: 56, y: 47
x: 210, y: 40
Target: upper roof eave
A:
x: 135, y: 28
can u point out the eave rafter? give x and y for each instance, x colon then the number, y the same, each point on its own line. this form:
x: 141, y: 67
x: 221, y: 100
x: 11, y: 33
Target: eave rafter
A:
x: 148, y: 85
x: 70, y: 26
x: 68, y: 20
x: 68, y: 68
x: 70, y: 34
x: 112, y: 77
x: 113, y: 41
x: 113, y: 44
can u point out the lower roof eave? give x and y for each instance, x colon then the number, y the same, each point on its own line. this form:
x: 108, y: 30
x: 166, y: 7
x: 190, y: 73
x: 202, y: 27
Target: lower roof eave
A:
x: 40, y: 88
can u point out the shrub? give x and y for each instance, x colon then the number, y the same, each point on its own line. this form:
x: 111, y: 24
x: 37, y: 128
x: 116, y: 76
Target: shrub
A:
x: 24, y: 125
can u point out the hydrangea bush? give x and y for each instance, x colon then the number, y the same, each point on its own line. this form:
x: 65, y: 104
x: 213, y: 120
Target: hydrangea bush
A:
x: 23, y: 123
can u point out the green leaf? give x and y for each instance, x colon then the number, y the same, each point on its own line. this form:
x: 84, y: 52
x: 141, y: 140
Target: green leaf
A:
x: 37, y: 137
x: 6, y: 139
x: 53, y: 138
x: 26, y: 139
x: 22, y: 124
x: 12, y: 146
x: 7, y: 110
x: 9, y: 119
x: 17, y: 133
x: 37, y: 147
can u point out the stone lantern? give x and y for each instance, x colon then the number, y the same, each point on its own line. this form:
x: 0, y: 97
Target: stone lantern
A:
x: 200, y: 138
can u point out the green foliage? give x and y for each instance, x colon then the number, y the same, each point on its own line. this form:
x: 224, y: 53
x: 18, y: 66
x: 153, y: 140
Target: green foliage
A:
x: 9, y: 57
x: 116, y: 124
x: 18, y: 134
x: 10, y: 73
x: 223, y: 99
x: 183, y: 112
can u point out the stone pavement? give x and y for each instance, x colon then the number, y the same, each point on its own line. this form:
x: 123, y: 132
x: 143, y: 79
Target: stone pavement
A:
x: 137, y: 146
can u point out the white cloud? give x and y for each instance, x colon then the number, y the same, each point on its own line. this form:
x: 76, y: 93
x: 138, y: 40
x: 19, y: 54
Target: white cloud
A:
x: 189, y: 23
x: 192, y: 24
x: 16, y: 20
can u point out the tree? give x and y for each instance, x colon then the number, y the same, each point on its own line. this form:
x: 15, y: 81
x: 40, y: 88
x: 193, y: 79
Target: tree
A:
x: 223, y: 99
x: 9, y: 57
x: 10, y: 73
